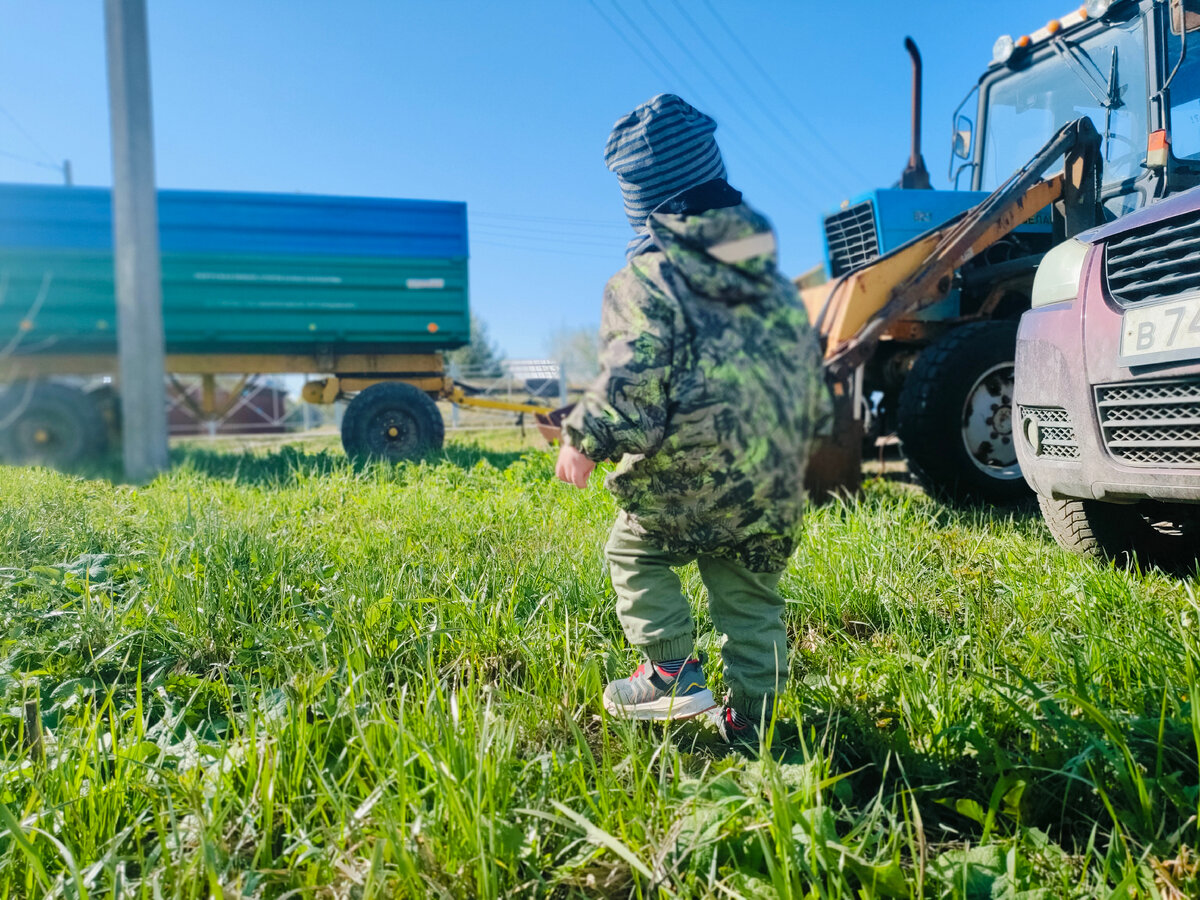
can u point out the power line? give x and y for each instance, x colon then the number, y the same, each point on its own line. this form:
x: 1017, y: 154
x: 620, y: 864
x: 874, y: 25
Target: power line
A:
x: 30, y: 161
x: 784, y: 98
x: 548, y: 238
x: 29, y: 137
x: 770, y: 114
x: 571, y: 231
x: 615, y: 256
x: 628, y: 43
x: 658, y: 53
x: 579, y: 223
x: 731, y: 100
x: 766, y: 166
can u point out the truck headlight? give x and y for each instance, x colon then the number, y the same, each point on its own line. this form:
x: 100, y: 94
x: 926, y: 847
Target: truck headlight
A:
x: 1057, y: 277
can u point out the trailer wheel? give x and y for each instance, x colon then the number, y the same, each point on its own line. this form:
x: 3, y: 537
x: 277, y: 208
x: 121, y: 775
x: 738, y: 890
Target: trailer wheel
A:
x: 392, y: 421
x: 53, y: 424
x: 955, y: 415
x: 1162, y: 534
x: 109, y: 403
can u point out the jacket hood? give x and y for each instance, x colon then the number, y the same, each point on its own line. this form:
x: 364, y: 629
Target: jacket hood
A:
x: 726, y: 254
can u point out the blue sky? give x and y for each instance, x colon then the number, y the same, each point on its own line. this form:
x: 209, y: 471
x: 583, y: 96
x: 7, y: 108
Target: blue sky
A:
x: 507, y: 106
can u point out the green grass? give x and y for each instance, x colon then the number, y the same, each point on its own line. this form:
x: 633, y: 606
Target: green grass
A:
x: 278, y: 674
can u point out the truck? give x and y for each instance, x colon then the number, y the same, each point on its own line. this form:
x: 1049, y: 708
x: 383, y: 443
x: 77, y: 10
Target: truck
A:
x: 360, y: 294
x: 940, y: 370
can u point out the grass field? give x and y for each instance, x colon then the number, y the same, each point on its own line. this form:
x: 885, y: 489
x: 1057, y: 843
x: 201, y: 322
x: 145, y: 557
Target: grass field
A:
x: 276, y: 674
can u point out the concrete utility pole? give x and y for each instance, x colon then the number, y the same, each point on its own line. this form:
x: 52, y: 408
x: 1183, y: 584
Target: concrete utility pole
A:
x: 140, y: 342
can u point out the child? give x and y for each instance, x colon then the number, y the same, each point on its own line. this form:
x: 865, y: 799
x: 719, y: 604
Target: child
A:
x: 710, y: 394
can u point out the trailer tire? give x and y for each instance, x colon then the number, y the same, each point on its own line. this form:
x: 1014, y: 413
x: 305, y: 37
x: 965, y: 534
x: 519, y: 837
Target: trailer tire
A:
x: 392, y: 421
x: 52, y: 424
x: 109, y: 403
x: 1156, y: 533
x: 960, y: 384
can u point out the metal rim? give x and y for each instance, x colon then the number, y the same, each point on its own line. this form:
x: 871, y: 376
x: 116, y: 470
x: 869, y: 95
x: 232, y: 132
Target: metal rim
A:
x: 393, y: 434
x: 987, y: 425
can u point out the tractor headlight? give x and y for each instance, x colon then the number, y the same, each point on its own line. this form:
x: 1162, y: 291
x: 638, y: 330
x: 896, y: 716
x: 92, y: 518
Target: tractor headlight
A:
x: 1057, y: 277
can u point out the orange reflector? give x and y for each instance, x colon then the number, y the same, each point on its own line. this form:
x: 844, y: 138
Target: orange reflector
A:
x: 1158, y: 140
x: 1023, y: 41
x: 1054, y: 26
x: 433, y: 327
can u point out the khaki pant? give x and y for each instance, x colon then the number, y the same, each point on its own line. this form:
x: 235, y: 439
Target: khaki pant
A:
x: 744, y: 605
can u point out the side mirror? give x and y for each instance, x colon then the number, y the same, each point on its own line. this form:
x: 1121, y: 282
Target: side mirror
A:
x: 1185, y: 15
x: 964, y: 132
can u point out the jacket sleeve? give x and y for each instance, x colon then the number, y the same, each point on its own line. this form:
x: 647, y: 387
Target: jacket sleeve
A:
x: 625, y: 410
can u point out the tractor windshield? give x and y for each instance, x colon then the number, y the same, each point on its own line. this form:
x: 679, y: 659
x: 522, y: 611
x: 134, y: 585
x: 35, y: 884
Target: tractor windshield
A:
x: 1102, y: 77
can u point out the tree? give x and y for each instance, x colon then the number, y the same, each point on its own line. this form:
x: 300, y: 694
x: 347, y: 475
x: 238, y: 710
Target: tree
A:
x: 481, y: 357
x: 578, y: 349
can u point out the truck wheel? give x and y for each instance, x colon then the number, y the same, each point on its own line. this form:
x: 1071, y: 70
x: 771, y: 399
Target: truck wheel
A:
x: 53, y: 424
x: 955, y: 415
x: 392, y: 421
x: 1158, y: 533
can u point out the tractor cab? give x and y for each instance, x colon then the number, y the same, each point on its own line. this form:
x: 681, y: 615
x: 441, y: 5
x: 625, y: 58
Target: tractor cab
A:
x: 1125, y: 65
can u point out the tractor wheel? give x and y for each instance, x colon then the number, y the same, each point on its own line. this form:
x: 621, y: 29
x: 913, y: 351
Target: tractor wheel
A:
x: 53, y: 424
x: 955, y: 416
x: 1163, y: 534
x: 392, y: 421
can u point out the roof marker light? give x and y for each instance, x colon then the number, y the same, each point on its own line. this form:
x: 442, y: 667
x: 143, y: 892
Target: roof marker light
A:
x: 1003, y: 49
x: 1054, y: 26
x: 1097, y: 8
x: 1023, y: 41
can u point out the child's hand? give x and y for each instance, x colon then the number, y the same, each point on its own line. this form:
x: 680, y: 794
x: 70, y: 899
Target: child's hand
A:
x: 573, y: 467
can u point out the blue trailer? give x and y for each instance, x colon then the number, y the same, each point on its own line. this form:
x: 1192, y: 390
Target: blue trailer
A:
x: 366, y: 292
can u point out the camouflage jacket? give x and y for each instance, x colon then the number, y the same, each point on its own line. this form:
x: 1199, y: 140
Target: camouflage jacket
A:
x: 711, y: 390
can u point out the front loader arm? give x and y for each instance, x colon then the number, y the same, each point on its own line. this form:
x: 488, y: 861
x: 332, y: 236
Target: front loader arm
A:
x: 860, y: 307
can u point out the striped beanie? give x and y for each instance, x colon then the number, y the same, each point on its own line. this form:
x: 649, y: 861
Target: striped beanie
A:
x: 661, y: 149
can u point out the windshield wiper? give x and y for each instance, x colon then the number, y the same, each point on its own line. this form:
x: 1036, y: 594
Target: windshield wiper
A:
x: 1107, y: 95
x: 1114, y: 100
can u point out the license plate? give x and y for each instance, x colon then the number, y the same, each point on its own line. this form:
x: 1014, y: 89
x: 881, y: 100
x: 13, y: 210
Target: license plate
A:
x: 1161, y: 333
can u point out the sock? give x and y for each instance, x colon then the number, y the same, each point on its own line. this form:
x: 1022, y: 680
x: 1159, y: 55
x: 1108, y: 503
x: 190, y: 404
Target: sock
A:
x: 670, y: 667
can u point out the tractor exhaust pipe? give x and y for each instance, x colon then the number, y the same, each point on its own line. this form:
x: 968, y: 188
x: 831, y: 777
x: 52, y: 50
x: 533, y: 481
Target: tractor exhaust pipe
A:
x: 916, y: 176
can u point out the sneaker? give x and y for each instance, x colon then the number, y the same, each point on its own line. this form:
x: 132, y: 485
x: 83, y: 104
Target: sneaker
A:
x: 650, y: 693
x: 735, y: 728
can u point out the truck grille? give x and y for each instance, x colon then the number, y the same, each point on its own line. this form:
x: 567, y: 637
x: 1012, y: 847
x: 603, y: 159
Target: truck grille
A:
x: 1055, y: 430
x: 1152, y: 424
x: 1155, y: 262
x: 851, y: 238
